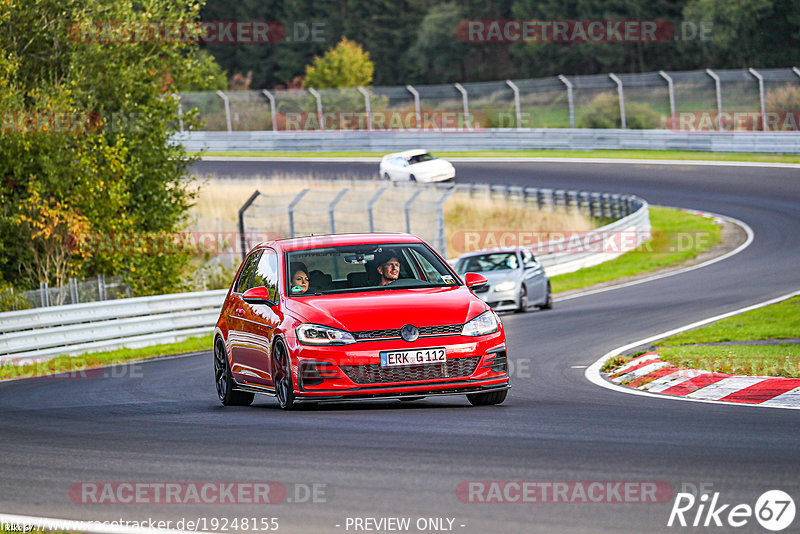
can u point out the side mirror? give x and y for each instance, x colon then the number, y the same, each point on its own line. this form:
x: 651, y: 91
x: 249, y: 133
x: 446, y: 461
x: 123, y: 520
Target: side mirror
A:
x: 475, y: 280
x: 257, y: 295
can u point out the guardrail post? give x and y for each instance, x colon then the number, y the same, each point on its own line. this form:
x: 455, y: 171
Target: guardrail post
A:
x: 417, y: 109
x: 242, y: 238
x: 719, y: 96
x: 671, y: 91
x: 371, y: 205
x: 570, y: 100
x: 227, y: 103
x: 291, y: 207
x: 517, y: 108
x: 465, y: 102
x: 367, y: 106
x: 407, y: 208
x: 332, y: 207
x: 617, y: 81
x: 272, y: 109
x: 318, y: 97
x: 761, y: 97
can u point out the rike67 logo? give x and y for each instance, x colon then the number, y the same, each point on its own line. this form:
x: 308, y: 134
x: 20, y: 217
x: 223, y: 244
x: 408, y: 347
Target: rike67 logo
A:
x: 774, y: 510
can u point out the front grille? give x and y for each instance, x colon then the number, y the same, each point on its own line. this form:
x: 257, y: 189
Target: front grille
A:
x: 423, y: 331
x: 374, y: 373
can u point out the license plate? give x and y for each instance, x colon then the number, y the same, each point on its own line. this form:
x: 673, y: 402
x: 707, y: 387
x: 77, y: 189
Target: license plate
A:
x: 413, y: 357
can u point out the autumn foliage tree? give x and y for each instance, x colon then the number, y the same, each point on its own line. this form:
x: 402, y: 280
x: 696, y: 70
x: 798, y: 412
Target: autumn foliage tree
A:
x: 345, y: 65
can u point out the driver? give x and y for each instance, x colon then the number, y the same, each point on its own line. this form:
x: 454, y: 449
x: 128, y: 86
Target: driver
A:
x: 389, y: 269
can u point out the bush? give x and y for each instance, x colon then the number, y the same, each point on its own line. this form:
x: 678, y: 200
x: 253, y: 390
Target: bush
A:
x: 603, y: 112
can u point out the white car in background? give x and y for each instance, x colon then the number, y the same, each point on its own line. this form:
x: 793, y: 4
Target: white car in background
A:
x: 416, y: 165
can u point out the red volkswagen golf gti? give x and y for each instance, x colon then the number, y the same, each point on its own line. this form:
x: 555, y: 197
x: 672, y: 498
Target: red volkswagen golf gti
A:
x: 356, y: 316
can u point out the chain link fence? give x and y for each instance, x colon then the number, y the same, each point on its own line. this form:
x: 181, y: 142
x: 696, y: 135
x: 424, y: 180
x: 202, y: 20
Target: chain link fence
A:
x: 75, y: 292
x: 707, y: 100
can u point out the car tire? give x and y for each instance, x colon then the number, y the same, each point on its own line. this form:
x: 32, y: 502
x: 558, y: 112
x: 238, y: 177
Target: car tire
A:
x: 487, y: 399
x: 282, y: 375
x: 548, y: 301
x: 412, y: 178
x: 523, y: 300
x: 223, y: 380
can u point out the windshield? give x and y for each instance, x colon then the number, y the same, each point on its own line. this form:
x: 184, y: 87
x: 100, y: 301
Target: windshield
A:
x: 365, y: 268
x: 420, y: 158
x: 501, y: 261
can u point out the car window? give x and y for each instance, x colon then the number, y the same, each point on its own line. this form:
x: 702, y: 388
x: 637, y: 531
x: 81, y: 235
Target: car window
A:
x: 528, y: 260
x: 499, y: 261
x: 419, y: 158
x: 244, y: 282
x: 267, y: 273
x: 399, y: 161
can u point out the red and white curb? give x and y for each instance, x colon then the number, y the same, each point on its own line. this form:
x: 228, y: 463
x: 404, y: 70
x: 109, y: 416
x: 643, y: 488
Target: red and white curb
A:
x: 648, y: 373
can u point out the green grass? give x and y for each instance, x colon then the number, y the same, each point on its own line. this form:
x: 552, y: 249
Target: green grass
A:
x: 676, y: 237
x: 63, y: 364
x: 753, y: 360
x: 623, y: 154
x: 778, y: 321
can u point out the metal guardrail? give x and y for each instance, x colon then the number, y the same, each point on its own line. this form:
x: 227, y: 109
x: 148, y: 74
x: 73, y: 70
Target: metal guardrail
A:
x: 493, y: 139
x: 42, y: 333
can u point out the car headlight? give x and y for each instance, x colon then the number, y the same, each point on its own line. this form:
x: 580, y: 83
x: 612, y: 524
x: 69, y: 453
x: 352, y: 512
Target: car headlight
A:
x: 485, y: 323
x: 314, y: 334
x: 506, y: 285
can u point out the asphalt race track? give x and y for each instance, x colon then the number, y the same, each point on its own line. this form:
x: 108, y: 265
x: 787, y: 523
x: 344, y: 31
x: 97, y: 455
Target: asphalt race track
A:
x: 161, y: 422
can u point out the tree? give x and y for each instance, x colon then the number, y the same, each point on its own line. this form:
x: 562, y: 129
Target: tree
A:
x: 345, y: 65
x: 88, y: 120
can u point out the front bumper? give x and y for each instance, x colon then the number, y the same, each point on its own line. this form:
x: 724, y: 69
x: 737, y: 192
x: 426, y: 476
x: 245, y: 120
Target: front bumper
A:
x: 353, y: 371
x: 501, y: 300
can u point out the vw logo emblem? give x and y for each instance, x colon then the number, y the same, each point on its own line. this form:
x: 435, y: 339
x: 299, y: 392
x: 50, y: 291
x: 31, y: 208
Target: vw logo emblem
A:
x: 409, y: 333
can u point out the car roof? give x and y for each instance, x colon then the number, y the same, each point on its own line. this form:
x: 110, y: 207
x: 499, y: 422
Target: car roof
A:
x: 407, y: 153
x: 333, y: 240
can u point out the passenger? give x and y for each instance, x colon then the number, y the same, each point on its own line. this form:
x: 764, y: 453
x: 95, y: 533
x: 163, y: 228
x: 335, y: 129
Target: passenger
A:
x: 299, y: 280
x: 388, y: 269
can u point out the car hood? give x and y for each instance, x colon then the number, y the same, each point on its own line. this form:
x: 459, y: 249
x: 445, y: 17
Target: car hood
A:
x: 433, y: 166
x: 383, y: 309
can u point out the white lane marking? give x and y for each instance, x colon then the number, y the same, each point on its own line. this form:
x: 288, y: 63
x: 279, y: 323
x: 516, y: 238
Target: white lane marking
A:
x: 646, y: 370
x: 593, y: 375
x: 98, y: 527
x: 791, y: 397
x: 578, y: 366
x: 510, y: 159
x: 725, y: 387
x: 748, y: 241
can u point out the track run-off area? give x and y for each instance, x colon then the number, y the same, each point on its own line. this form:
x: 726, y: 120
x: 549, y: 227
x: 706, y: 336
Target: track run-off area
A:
x: 433, y: 461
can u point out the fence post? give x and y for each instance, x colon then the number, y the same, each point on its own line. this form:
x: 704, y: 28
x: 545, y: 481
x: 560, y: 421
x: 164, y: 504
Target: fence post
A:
x: 101, y: 287
x: 44, y: 294
x: 671, y: 90
x: 242, y: 239
x: 796, y: 71
x: 371, y: 205
x: 465, y: 102
x: 761, y: 97
x: 332, y: 208
x: 570, y: 101
x: 719, y: 97
x: 318, y: 98
x: 227, y: 103
x: 617, y: 81
x: 272, y: 109
x: 407, y: 208
x: 441, y: 238
x: 73, y: 290
x: 517, y: 108
x: 291, y: 207
x: 177, y: 97
x: 366, y: 106
x: 417, y: 109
